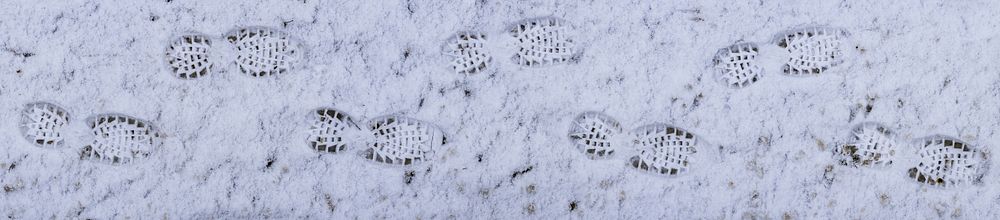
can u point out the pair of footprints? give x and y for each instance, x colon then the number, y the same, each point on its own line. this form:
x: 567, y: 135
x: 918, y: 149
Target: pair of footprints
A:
x: 258, y: 51
x: 796, y: 52
x: 533, y: 42
x: 940, y: 160
x: 390, y: 139
x: 662, y: 149
x: 117, y: 138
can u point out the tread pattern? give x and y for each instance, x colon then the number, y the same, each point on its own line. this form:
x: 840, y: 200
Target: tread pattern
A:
x: 873, y: 146
x: 120, y: 139
x: 592, y: 133
x: 948, y: 162
x: 44, y: 124
x: 327, y: 132
x: 737, y: 65
x: 264, y: 51
x: 543, y: 41
x: 402, y: 141
x: 812, y: 51
x: 189, y: 56
x: 469, y: 53
x: 663, y: 149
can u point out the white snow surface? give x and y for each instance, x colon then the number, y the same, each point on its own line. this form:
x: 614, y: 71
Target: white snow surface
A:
x: 924, y: 67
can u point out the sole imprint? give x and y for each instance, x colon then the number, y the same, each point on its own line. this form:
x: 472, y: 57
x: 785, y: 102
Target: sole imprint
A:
x: 188, y: 56
x: 812, y: 51
x: 593, y: 132
x: 543, y: 41
x: 330, y: 130
x: 44, y: 124
x: 469, y: 53
x: 873, y: 146
x: 946, y: 162
x: 264, y: 51
x: 120, y: 139
x: 663, y: 149
x: 738, y: 66
x: 402, y: 141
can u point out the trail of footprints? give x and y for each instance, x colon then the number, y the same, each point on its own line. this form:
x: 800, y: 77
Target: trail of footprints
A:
x: 258, y: 51
x: 397, y: 140
x: 117, y: 139
x: 261, y: 51
x: 668, y: 150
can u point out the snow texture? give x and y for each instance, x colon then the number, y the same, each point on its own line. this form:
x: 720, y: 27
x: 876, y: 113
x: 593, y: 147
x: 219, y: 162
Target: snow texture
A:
x: 226, y: 125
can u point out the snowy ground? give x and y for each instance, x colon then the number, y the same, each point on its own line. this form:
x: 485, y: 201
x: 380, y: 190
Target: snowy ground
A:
x: 235, y: 145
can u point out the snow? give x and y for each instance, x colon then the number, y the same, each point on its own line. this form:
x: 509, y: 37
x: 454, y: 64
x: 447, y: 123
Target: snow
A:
x: 925, y: 68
